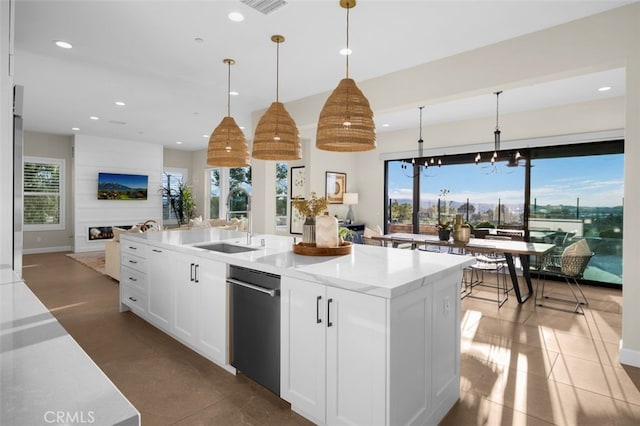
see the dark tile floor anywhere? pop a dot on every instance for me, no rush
(521, 364)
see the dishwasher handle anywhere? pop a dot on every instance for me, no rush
(270, 291)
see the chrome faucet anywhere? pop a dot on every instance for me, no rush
(244, 191)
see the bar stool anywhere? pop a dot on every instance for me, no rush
(476, 272)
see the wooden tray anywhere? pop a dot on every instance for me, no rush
(311, 249)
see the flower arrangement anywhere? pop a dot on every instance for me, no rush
(443, 225)
(311, 207)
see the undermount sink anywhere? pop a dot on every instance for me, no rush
(225, 248)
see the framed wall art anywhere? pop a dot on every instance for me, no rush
(297, 182)
(335, 187)
(296, 220)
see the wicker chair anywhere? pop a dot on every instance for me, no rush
(371, 242)
(571, 269)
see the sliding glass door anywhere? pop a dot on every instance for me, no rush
(554, 194)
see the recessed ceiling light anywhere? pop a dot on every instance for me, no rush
(346, 51)
(120, 103)
(63, 44)
(604, 88)
(93, 117)
(75, 129)
(241, 127)
(236, 16)
(234, 93)
(205, 136)
(179, 142)
(385, 125)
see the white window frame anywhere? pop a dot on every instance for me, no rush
(185, 179)
(60, 162)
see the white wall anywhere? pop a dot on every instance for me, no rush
(94, 155)
(59, 147)
(6, 137)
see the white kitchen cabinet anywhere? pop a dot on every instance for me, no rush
(353, 358)
(133, 282)
(161, 272)
(333, 354)
(186, 291)
(303, 351)
(211, 339)
(200, 306)
(182, 294)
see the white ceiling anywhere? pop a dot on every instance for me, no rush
(144, 53)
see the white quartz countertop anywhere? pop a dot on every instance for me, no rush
(46, 378)
(379, 271)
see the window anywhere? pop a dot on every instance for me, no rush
(239, 192)
(282, 188)
(224, 182)
(561, 193)
(171, 178)
(43, 194)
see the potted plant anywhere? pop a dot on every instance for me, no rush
(444, 230)
(181, 202)
(345, 233)
(310, 208)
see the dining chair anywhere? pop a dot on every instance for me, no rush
(569, 267)
(372, 242)
(474, 276)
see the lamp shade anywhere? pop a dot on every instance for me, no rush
(276, 136)
(350, 198)
(346, 121)
(227, 145)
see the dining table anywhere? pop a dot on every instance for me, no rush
(508, 248)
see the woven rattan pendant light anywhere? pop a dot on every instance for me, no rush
(276, 136)
(227, 144)
(346, 120)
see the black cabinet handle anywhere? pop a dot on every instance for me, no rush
(133, 261)
(133, 248)
(132, 279)
(191, 272)
(156, 250)
(329, 323)
(318, 320)
(132, 299)
(197, 280)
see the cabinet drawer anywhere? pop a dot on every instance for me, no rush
(133, 298)
(135, 248)
(134, 262)
(134, 278)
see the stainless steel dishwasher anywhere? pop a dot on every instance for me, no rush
(255, 325)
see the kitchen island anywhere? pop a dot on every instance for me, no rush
(372, 337)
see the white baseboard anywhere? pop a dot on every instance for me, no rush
(46, 250)
(629, 356)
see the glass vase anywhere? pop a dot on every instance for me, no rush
(309, 230)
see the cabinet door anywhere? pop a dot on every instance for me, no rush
(186, 290)
(212, 310)
(159, 287)
(356, 358)
(303, 352)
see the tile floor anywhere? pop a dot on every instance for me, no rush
(521, 364)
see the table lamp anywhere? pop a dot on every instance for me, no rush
(350, 198)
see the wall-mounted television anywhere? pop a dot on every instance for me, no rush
(117, 186)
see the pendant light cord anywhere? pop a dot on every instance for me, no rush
(497, 109)
(348, 53)
(229, 90)
(277, 69)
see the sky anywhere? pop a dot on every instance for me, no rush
(596, 180)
